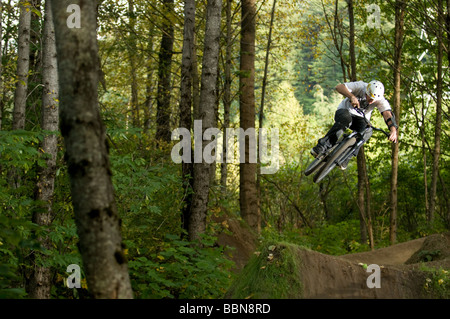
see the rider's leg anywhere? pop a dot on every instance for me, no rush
(343, 120)
(359, 125)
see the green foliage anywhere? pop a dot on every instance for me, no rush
(314, 58)
(336, 239)
(329, 238)
(437, 282)
(429, 255)
(19, 150)
(19, 157)
(149, 196)
(64, 239)
(13, 241)
(180, 269)
(265, 275)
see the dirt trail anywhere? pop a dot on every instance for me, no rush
(393, 255)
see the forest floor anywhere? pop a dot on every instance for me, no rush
(310, 274)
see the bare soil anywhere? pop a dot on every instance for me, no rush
(328, 277)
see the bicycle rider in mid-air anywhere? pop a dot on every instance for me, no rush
(365, 96)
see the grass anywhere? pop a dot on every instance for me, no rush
(437, 283)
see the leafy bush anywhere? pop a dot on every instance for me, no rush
(11, 243)
(265, 275)
(181, 269)
(437, 283)
(336, 239)
(333, 239)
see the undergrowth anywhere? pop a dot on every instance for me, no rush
(269, 275)
(437, 282)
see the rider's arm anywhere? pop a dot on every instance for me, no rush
(389, 119)
(342, 89)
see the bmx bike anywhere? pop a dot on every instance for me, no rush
(346, 146)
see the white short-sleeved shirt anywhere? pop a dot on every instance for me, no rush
(358, 89)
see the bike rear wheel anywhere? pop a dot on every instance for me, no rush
(331, 163)
(316, 164)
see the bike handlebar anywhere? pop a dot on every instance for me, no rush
(358, 110)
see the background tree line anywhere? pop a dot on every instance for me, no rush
(86, 133)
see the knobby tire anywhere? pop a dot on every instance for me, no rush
(331, 163)
(316, 164)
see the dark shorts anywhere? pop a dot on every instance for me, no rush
(343, 120)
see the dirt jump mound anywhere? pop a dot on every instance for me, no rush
(403, 271)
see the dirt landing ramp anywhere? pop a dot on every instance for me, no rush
(326, 276)
(288, 271)
(393, 255)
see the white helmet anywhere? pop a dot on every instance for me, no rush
(375, 90)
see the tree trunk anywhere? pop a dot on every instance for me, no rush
(323, 192)
(186, 100)
(437, 132)
(368, 211)
(226, 96)
(263, 95)
(33, 104)
(132, 50)
(352, 40)
(363, 180)
(247, 185)
(163, 132)
(35, 41)
(195, 83)
(40, 281)
(1, 64)
(23, 66)
(399, 29)
(361, 166)
(208, 98)
(96, 217)
(148, 85)
(447, 23)
(424, 157)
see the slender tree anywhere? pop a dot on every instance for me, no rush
(363, 180)
(186, 99)
(1, 62)
(247, 170)
(149, 100)
(438, 123)
(447, 24)
(35, 39)
(86, 153)
(163, 132)
(400, 6)
(226, 93)
(351, 47)
(40, 282)
(208, 98)
(23, 66)
(132, 52)
(263, 96)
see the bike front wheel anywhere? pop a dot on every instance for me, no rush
(331, 163)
